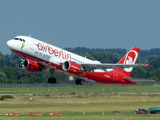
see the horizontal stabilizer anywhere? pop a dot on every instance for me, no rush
(140, 80)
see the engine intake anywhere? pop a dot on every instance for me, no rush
(72, 67)
(29, 65)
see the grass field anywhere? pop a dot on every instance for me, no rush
(82, 89)
(80, 106)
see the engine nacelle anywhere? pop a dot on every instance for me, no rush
(72, 67)
(30, 66)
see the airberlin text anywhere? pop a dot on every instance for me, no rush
(57, 53)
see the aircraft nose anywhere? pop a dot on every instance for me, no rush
(9, 43)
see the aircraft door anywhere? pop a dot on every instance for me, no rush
(115, 75)
(32, 46)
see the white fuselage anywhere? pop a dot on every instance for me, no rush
(45, 51)
(34, 48)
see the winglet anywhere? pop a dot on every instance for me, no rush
(146, 65)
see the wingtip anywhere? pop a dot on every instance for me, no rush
(147, 65)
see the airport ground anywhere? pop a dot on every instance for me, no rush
(76, 105)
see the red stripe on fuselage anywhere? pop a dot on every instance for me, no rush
(36, 59)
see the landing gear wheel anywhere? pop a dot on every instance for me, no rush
(79, 81)
(52, 80)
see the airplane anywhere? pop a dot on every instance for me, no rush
(38, 55)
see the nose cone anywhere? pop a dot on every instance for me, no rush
(10, 44)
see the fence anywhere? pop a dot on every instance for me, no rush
(87, 84)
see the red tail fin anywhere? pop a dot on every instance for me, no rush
(130, 58)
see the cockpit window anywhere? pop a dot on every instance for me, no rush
(19, 39)
(16, 38)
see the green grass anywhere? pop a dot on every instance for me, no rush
(82, 89)
(73, 107)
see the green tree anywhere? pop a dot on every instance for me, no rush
(155, 61)
(3, 78)
(139, 73)
(155, 74)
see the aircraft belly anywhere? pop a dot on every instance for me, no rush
(104, 78)
(99, 77)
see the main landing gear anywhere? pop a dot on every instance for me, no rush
(51, 79)
(79, 81)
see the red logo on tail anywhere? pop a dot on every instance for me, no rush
(131, 57)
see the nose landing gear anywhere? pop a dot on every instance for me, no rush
(52, 80)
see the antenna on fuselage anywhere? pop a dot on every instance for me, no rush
(29, 35)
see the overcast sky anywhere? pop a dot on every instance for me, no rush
(82, 23)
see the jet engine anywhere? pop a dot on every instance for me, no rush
(72, 67)
(30, 66)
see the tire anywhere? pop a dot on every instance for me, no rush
(157, 112)
(52, 80)
(79, 81)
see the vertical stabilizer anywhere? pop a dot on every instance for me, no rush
(130, 58)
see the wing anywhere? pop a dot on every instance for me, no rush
(92, 67)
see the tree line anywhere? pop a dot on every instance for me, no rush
(11, 73)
